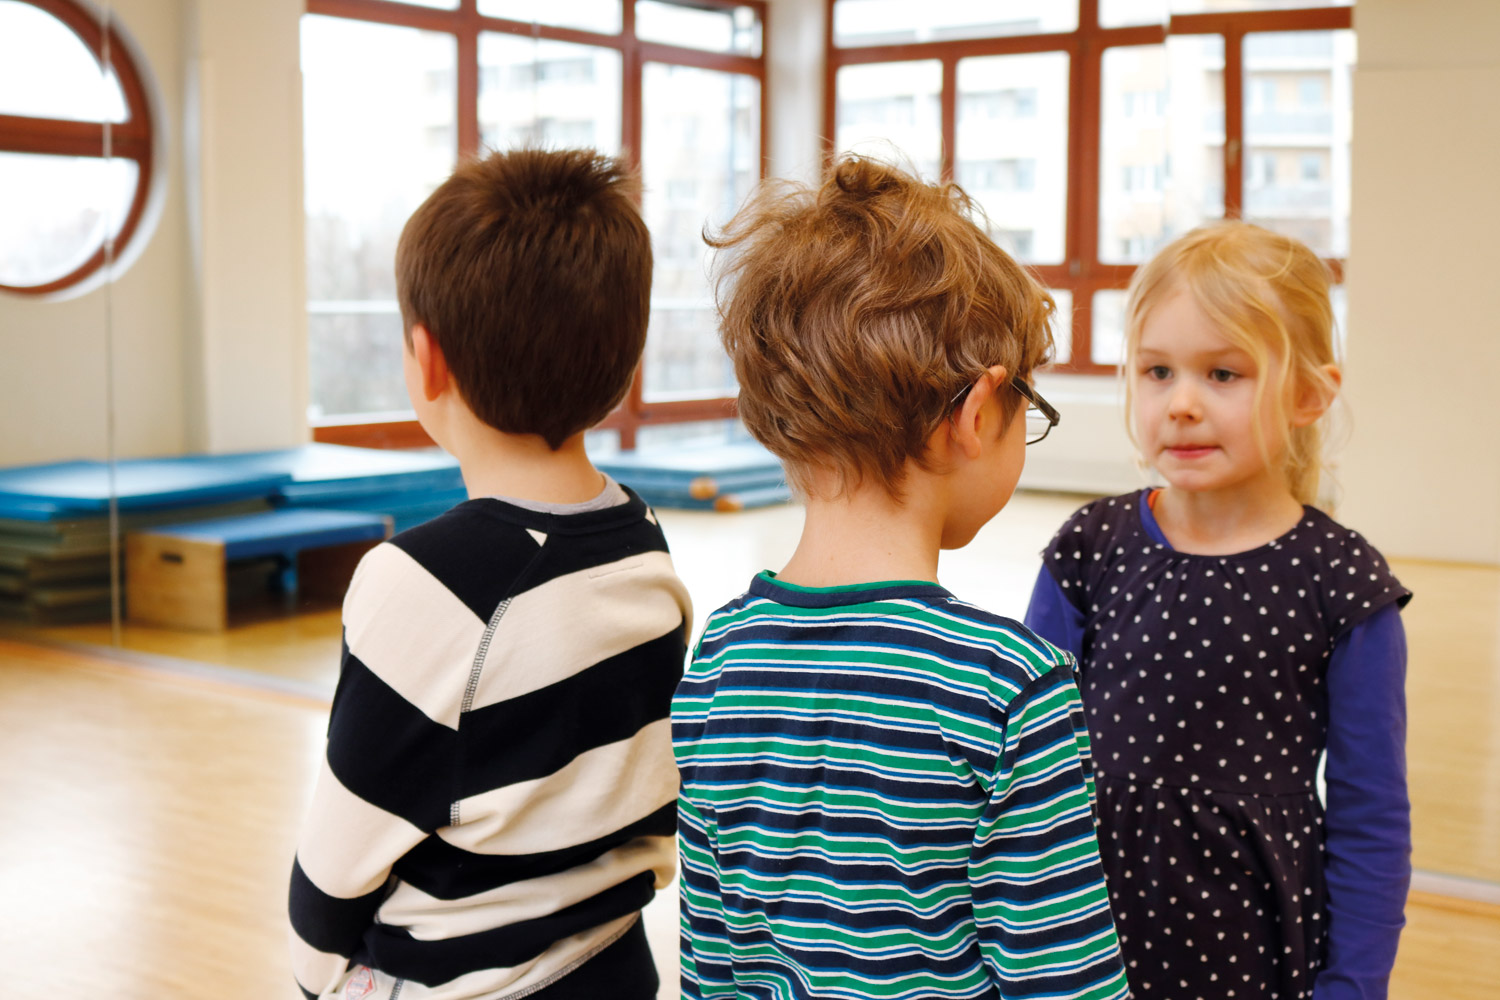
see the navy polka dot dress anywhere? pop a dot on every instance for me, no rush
(1203, 686)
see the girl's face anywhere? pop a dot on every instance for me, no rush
(1195, 406)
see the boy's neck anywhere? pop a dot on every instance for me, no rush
(866, 537)
(496, 464)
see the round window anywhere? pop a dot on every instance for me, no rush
(76, 147)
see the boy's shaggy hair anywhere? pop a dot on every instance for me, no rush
(854, 313)
(532, 272)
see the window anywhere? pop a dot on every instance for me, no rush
(1093, 133)
(76, 147)
(997, 175)
(1312, 92)
(1000, 105)
(675, 86)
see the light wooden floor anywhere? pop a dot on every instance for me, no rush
(147, 816)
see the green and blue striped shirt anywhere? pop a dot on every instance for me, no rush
(887, 794)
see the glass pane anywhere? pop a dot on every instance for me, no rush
(699, 433)
(1298, 124)
(887, 22)
(1223, 6)
(355, 359)
(1062, 326)
(1108, 344)
(1161, 156)
(590, 15)
(1119, 13)
(1013, 149)
(717, 29)
(372, 94)
(56, 212)
(893, 111)
(553, 94)
(700, 143)
(47, 72)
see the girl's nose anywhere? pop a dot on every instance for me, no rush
(1183, 404)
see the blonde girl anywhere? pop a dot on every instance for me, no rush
(1229, 635)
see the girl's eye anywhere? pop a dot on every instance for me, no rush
(1222, 375)
(1159, 372)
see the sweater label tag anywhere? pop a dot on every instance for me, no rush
(361, 984)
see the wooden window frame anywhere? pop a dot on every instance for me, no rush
(466, 24)
(131, 139)
(1082, 272)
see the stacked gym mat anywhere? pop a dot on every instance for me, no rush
(54, 525)
(408, 486)
(722, 477)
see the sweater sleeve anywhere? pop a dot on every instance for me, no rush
(1053, 617)
(1368, 822)
(1040, 903)
(707, 970)
(376, 797)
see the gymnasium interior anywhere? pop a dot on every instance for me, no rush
(205, 422)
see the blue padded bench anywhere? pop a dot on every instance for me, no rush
(178, 575)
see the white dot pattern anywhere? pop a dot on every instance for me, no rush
(1203, 684)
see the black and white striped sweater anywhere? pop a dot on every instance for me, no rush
(498, 798)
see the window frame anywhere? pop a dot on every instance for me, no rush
(466, 24)
(1081, 272)
(131, 139)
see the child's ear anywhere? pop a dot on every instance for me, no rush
(974, 422)
(431, 364)
(1316, 395)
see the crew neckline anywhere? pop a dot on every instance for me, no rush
(1152, 530)
(766, 584)
(633, 509)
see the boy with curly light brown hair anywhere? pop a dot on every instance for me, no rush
(887, 792)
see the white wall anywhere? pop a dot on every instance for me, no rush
(246, 290)
(1422, 472)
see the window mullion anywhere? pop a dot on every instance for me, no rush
(631, 114)
(468, 84)
(1085, 266)
(1234, 124)
(949, 117)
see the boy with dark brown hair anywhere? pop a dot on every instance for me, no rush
(496, 804)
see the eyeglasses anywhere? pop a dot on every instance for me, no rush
(1041, 416)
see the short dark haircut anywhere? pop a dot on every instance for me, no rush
(532, 272)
